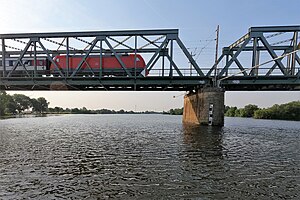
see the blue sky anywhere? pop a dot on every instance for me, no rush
(196, 20)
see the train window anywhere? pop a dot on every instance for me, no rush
(0, 62)
(11, 63)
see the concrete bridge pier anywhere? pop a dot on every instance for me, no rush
(204, 107)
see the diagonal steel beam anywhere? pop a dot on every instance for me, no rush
(273, 55)
(213, 67)
(297, 59)
(189, 56)
(84, 58)
(118, 57)
(50, 58)
(274, 65)
(153, 63)
(235, 56)
(174, 65)
(20, 58)
(240, 67)
(165, 42)
(121, 43)
(150, 42)
(24, 68)
(88, 65)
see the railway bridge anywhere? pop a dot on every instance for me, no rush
(264, 59)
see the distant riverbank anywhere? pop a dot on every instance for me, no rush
(288, 111)
(19, 105)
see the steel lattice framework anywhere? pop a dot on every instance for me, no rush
(157, 46)
(271, 60)
(266, 58)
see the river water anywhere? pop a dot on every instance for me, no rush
(147, 157)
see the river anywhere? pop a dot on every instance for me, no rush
(147, 157)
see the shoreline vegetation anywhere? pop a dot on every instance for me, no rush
(19, 105)
(288, 111)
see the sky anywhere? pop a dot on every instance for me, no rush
(195, 19)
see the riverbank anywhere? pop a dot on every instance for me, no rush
(288, 111)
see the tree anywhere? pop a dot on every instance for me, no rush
(2, 102)
(249, 110)
(288, 111)
(231, 112)
(176, 111)
(7, 104)
(11, 106)
(22, 101)
(43, 104)
(237, 112)
(39, 105)
(35, 105)
(58, 109)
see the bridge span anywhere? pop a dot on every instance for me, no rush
(264, 59)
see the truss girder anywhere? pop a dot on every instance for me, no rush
(154, 44)
(262, 43)
(161, 62)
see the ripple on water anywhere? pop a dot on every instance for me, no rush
(149, 157)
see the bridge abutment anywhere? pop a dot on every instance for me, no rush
(204, 107)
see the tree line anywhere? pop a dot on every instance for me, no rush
(287, 111)
(18, 103)
(84, 110)
(175, 111)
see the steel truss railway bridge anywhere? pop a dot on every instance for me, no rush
(265, 59)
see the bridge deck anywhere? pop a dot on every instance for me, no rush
(109, 83)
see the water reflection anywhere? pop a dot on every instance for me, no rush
(203, 158)
(207, 139)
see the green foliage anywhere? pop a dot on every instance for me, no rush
(230, 112)
(39, 105)
(237, 112)
(18, 103)
(2, 102)
(176, 111)
(288, 111)
(23, 102)
(248, 110)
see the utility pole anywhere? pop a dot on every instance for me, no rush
(216, 56)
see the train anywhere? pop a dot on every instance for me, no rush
(110, 66)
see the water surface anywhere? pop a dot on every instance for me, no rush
(147, 157)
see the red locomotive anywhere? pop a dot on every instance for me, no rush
(110, 66)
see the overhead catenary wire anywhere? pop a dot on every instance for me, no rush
(60, 44)
(10, 47)
(22, 42)
(205, 46)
